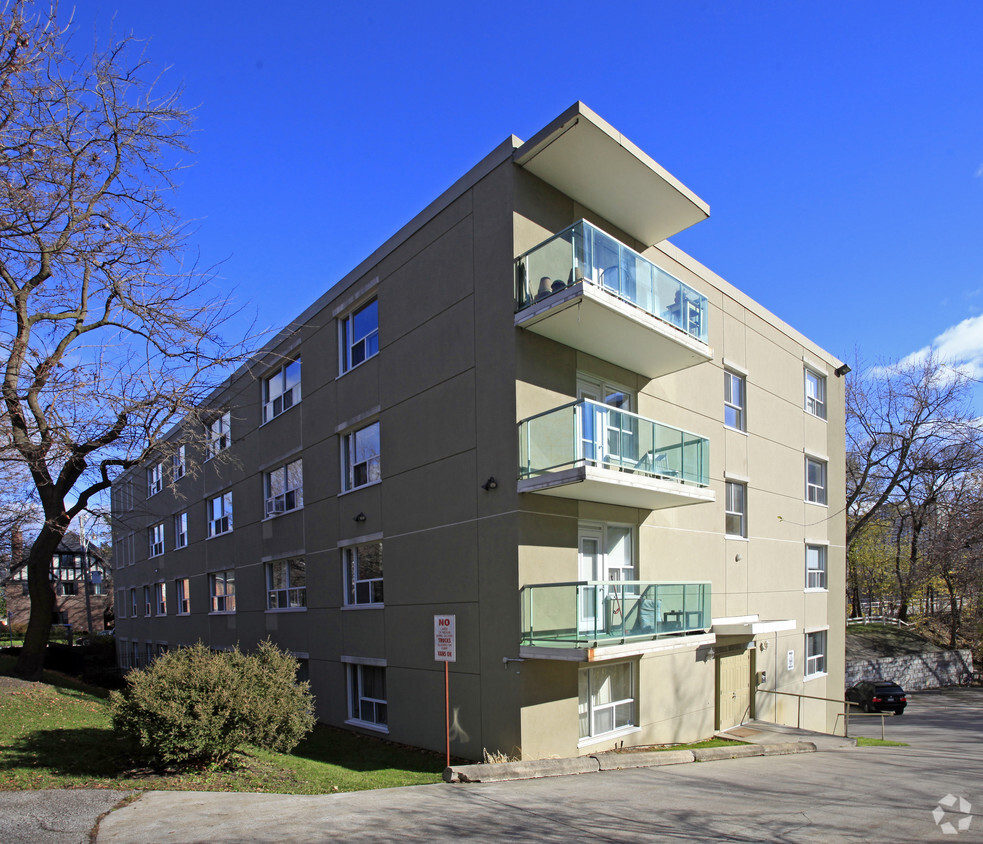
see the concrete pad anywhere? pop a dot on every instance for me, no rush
(54, 816)
(501, 771)
(643, 759)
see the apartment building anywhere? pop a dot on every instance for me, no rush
(528, 410)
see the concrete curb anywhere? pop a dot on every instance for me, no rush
(534, 768)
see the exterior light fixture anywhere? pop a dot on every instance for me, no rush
(841, 370)
(491, 483)
(360, 517)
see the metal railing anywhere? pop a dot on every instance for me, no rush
(846, 710)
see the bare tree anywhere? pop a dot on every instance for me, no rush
(109, 339)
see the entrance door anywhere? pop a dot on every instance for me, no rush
(733, 689)
(591, 569)
(608, 437)
(606, 554)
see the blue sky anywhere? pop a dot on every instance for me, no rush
(839, 144)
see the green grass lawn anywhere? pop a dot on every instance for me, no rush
(58, 735)
(876, 742)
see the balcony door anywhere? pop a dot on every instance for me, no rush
(606, 556)
(608, 437)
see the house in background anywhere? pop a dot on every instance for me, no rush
(529, 410)
(83, 584)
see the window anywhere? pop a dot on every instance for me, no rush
(69, 588)
(285, 488)
(123, 496)
(367, 695)
(180, 463)
(181, 530)
(736, 509)
(281, 390)
(220, 514)
(363, 574)
(223, 589)
(157, 540)
(148, 650)
(815, 394)
(361, 457)
(160, 598)
(182, 588)
(815, 566)
(360, 335)
(606, 699)
(147, 605)
(133, 603)
(734, 400)
(121, 603)
(815, 653)
(815, 481)
(125, 549)
(155, 479)
(286, 585)
(219, 434)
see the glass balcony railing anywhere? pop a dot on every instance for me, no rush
(589, 433)
(585, 613)
(583, 253)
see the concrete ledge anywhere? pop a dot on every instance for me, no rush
(711, 754)
(785, 748)
(499, 772)
(643, 759)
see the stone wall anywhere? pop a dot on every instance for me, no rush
(915, 671)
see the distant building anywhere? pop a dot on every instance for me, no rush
(529, 410)
(72, 568)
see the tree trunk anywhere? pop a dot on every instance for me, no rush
(31, 661)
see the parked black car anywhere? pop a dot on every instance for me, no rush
(878, 696)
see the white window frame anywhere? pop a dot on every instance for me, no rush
(148, 604)
(179, 462)
(587, 675)
(361, 704)
(816, 642)
(289, 596)
(222, 602)
(155, 479)
(160, 598)
(372, 462)
(219, 435)
(281, 497)
(815, 393)
(816, 492)
(730, 490)
(737, 407)
(371, 588)
(220, 514)
(364, 347)
(816, 577)
(157, 539)
(182, 591)
(181, 530)
(281, 389)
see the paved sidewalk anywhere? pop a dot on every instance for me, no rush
(54, 816)
(761, 732)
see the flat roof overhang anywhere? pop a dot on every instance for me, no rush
(590, 319)
(602, 653)
(591, 162)
(609, 486)
(750, 625)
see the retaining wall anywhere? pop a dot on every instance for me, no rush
(915, 671)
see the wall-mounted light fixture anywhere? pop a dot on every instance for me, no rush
(738, 558)
(491, 483)
(841, 370)
(360, 517)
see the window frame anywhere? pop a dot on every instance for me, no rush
(156, 535)
(147, 602)
(815, 657)
(218, 435)
(179, 464)
(593, 709)
(155, 479)
(348, 466)
(121, 603)
(350, 559)
(160, 598)
(182, 592)
(740, 410)
(225, 519)
(294, 597)
(287, 396)
(729, 512)
(814, 404)
(355, 686)
(816, 493)
(346, 343)
(225, 603)
(292, 496)
(134, 606)
(822, 570)
(181, 530)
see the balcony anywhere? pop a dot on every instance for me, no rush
(586, 290)
(593, 452)
(589, 614)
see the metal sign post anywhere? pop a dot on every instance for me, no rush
(445, 651)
